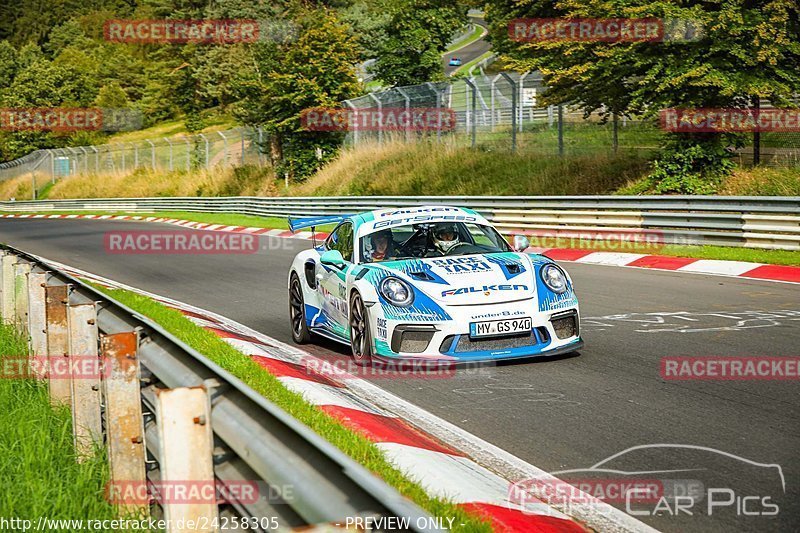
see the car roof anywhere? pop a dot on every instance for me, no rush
(371, 221)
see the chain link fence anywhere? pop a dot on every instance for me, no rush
(235, 147)
(503, 111)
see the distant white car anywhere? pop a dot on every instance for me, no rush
(430, 283)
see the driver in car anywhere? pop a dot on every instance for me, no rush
(382, 245)
(445, 237)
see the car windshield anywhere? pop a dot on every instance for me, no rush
(440, 239)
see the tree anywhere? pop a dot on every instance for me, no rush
(8, 64)
(283, 79)
(417, 34)
(745, 50)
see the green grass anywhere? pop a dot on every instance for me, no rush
(466, 68)
(726, 253)
(172, 128)
(39, 474)
(246, 369)
(476, 34)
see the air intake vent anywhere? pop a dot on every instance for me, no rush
(422, 276)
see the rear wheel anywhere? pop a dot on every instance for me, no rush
(297, 311)
(360, 340)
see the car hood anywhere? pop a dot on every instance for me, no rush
(469, 279)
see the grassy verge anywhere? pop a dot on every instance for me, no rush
(726, 253)
(477, 31)
(467, 67)
(39, 474)
(243, 367)
(453, 168)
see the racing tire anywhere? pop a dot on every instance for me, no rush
(360, 339)
(297, 311)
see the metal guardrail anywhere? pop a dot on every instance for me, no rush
(253, 439)
(748, 221)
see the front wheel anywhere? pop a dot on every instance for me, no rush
(360, 340)
(297, 311)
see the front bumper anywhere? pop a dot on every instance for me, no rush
(449, 341)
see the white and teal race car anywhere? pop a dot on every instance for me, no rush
(429, 284)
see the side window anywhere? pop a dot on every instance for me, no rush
(342, 239)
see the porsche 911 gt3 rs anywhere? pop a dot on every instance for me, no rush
(429, 284)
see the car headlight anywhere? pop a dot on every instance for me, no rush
(554, 278)
(397, 292)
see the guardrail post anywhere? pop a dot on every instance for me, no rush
(86, 423)
(7, 287)
(123, 416)
(57, 343)
(37, 318)
(21, 271)
(186, 443)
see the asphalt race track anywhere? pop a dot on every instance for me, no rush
(467, 53)
(560, 414)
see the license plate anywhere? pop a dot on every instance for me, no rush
(496, 328)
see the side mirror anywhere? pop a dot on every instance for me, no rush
(332, 258)
(521, 243)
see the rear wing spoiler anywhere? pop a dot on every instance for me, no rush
(309, 222)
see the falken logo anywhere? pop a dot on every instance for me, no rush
(485, 289)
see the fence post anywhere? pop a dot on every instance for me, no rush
(86, 422)
(756, 133)
(186, 443)
(560, 130)
(7, 271)
(206, 140)
(355, 121)
(21, 271)
(408, 111)
(520, 95)
(152, 153)
(123, 417)
(493, 89)
(513, 110)
(260, 145)
(615, 133)
(37, 318)
(380, 116)
(241, 146)
(57, 343)
(170, 153)
(474, 90)
(188, 154)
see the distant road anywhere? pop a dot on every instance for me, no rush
(469, 52)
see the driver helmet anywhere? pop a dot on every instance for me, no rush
(445, 237)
